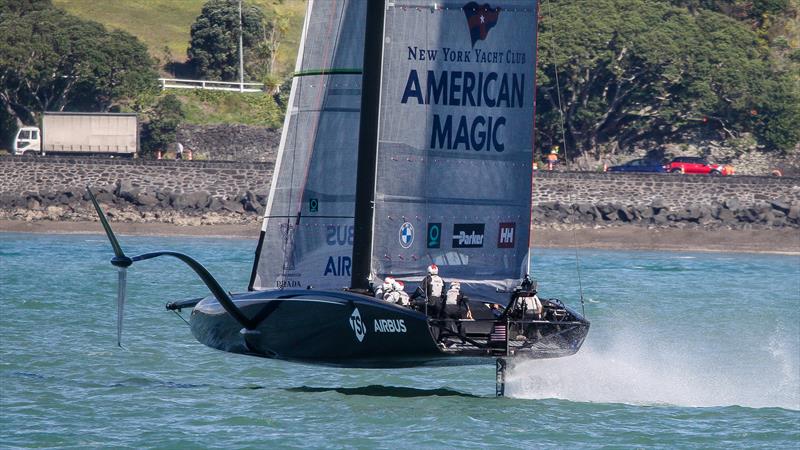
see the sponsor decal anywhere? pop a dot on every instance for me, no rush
(339, 234)
(358, 325)
(313, 205)
(480, 19)
(468, 235)
(485, 83)
(390, 326)
(338, 266)
(505, 238)
(282, 284)
(434, 235)
(406, 235)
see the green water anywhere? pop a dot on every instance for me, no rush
(686, 350)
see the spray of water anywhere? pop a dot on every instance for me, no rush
(630, 368)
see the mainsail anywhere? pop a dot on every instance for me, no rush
(453, 181)
(454, 149)
(307, 233)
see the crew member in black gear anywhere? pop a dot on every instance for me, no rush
(429, 294)
(456, 307)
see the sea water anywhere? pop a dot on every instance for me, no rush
(686, 350)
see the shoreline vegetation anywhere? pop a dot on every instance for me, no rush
(784, 241)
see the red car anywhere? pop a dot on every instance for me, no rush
(694, 164)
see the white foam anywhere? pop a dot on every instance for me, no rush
(632, 368)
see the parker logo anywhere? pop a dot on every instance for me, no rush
(406, 235)
(468, 235)
(505, 238)
(358, 325)
(480, 19)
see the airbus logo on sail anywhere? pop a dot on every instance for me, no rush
(339, 234)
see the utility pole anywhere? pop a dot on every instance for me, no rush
(241, 53)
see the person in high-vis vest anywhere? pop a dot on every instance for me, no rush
(428, 296)
(552, 158)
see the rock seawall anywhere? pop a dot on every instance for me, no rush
(230, 142)
(218, 192)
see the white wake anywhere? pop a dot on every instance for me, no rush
(632, 368)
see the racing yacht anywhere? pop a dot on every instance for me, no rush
(407, 142)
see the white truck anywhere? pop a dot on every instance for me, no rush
(113, 134)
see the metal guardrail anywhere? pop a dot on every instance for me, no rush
(233, 86)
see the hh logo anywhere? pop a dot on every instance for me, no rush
(480, 19)
(505, 238)
(358, 325)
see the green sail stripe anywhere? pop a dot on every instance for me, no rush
(340, 71)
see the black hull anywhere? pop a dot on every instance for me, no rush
(345, 329)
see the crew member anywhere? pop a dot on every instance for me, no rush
(531, 306)
(385, 289)
(428, 296)
(456, 306)
(399, 296)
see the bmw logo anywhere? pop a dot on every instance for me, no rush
(406, 235)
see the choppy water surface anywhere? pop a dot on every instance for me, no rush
(686, 350)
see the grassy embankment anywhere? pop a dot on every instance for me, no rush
(166, 24)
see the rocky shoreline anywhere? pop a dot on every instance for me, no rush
(729, 214)
(126, 203)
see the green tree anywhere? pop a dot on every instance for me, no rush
(53, 61)
(162, 124)
(643, 70)
(214, 45)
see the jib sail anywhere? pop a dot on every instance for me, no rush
(307, 233)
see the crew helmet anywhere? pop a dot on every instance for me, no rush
(398, 285)
(388, 284)
(433, 269)
(455, 285)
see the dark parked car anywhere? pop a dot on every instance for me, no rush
(639, 165)
(694, 164)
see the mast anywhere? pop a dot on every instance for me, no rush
(367, 145)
